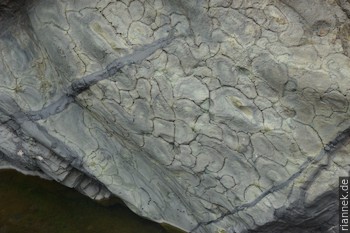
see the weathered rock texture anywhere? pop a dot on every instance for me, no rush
(213, 116)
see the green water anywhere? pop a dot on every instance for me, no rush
(32, 205)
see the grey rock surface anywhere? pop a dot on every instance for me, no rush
(212, 116)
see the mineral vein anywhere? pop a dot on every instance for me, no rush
(79, 86)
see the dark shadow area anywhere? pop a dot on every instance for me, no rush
(30, 204)
(13, 15)
(13, 9)
(320, 216)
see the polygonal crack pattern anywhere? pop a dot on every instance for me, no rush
(210, 115)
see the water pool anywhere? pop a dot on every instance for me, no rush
(30, 204)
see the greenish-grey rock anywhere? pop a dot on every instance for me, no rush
(212, 116)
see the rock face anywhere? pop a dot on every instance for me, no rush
(213, 116)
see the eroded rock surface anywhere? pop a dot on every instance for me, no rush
(213, 116)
